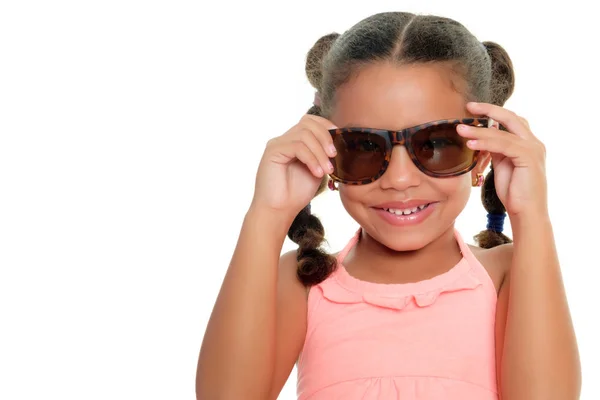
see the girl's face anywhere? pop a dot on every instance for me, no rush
(384, 96)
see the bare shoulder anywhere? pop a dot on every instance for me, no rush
(496, 261)
(291, 294)
(291, 320)
(288, 266)
(291, 305)
(287, 279)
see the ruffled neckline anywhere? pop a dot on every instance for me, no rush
(341, 287)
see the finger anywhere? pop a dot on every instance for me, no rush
(306, 156)
(323, 136)
(497, 159)
(525, 122)
(478, 133)
(501, 142)
(324, 122)
(475, 132)
(507, 118)
(310, 140)
(516, 151)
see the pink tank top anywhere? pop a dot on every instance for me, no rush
(432, 339)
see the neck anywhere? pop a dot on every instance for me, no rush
(373, 261)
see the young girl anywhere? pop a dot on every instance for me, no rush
(407, 116)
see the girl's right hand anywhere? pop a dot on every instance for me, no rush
(293, 166)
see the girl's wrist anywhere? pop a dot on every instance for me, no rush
(269, 221)
(530, 221)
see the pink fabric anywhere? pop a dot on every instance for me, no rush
(432, 339)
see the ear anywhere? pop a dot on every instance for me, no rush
(483, 160)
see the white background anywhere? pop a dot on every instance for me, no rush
(130, 135)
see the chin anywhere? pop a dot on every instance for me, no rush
(408, 240)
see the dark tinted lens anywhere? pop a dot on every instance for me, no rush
(360, 156)
(440, 149)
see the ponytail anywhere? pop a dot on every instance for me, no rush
(314, 264)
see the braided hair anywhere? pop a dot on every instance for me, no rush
(503, 84)
(314, 264)
(403, 39)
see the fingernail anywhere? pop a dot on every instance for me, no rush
(472, 103)
(463, 128)
(319, 171)
(472, 143)
(332, 150)
(329, 167)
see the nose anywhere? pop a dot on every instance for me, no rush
(401, 173)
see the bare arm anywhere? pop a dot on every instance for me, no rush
(291, 321)
(539, 354)
(258, 324)
(256, 330)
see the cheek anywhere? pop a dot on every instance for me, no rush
(351, 193)
(353, 196)
(457, 190)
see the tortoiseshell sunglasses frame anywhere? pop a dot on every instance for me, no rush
(403, 137)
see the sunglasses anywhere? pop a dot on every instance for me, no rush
(435, 148)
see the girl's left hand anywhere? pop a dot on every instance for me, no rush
(518, 158)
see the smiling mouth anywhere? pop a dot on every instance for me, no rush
(407, 211)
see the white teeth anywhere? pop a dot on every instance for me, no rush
(407, 211)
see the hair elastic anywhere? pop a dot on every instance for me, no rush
(496, 222)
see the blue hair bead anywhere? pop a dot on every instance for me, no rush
(496, 222)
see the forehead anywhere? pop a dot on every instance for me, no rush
(386, 96)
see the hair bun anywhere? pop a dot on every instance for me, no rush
(314, 59)
(303, 223)
(314, 264)
(503, 75)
